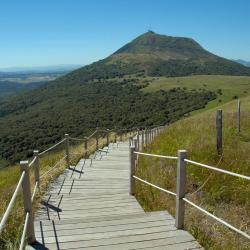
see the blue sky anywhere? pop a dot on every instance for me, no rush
(50, 32)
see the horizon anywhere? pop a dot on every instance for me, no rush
(54, 33)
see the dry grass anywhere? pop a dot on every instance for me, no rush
(225, 196)
(10, 237)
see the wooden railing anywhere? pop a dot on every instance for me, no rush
(138, 143)
(24, 180)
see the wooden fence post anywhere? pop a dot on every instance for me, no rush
(180, 189)
(142, 139)
(138, 140)
(67, 150)
(107, 137)
(37, 168)
(132, 170)
(219, 130)
(130, 141)
(97, 142)
(24, 166)
(238, 117)
(135, 145)
(146, 137)
(86, 146)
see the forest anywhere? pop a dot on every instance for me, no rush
(40, 120)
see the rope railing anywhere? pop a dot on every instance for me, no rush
(95, 132)
(217, 219)
(24, 231)
(155, 186)
(11, 203)
(52, 168)
(218, 169)
(180, 179)
(78, 139)
(52, 147)
(158, 156)
(33, 161)
(92, 135)
(34, 191)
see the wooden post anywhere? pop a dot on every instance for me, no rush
(107, 137)
(219, 131)
(86, 146)
(135, 144)
(24, 166)
(238, 117)
(37, 168)
(142, 139)
(148, 134)
(130, 141)
(97, 142)
(180, 189)
(138, 140)
(115, 137)
(132, 170)
(67, 150)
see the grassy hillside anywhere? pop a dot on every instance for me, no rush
(225, 196)
(226, 87)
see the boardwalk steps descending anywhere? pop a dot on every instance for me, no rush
(89, 207)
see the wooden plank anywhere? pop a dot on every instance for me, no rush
(190, 245)
(104, 223)
(103, 219)
(141, 240)
(147, 226)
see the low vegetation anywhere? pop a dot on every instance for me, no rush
(225, 196)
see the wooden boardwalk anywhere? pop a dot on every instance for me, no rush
(89, 207)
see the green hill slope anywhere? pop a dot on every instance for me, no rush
(226, 87)
(225, 196)
(40, 118)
